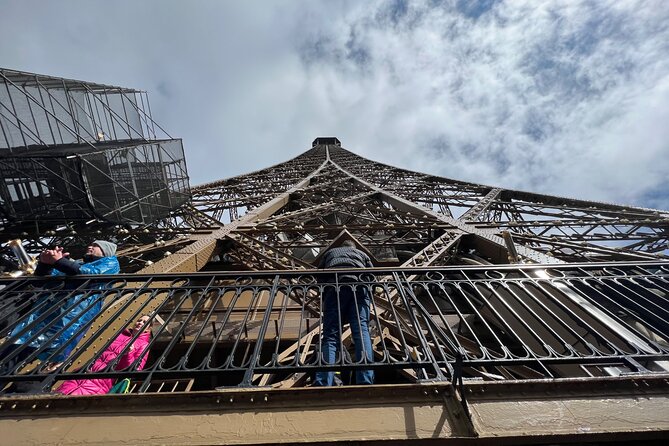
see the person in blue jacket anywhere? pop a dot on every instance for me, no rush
(52, 325)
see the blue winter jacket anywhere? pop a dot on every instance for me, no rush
(39, 337)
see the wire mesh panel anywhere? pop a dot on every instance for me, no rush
(137, 183)
(39, 111)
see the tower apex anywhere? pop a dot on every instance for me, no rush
(326, 140)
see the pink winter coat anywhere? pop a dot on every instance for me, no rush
(103, 385)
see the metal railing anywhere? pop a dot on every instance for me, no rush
(263, 328)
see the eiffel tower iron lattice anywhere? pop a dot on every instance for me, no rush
(472, 286)
(295, 209)
(282, 217)
(479, 296)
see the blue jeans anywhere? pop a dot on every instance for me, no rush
(354, 310)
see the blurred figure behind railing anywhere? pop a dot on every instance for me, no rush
(123, 345)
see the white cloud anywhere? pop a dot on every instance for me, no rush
(568, 97)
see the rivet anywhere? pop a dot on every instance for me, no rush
(14, 406)
(265, 398)
(232, 400)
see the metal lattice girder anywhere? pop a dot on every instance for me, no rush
(332, 199)
(241, 194)
(369, 198)
(598, 224)
(372, 200)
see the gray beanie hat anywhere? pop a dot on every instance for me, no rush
(108, 248)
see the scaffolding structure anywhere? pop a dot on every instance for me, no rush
(74, 152)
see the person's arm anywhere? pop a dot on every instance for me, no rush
(47, 262)
(67, 266)
(368, 261)
(141, 347)
(364, 259)
(43, 269)
(322, 263)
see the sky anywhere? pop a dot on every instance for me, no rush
(568, 98)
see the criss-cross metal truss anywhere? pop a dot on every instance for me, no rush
(398, 213)
(283, 217)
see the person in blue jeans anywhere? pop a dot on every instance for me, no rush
(352, 305)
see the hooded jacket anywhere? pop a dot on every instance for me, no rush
(115, 349)
(79, 309)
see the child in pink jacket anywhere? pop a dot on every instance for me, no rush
(137, 349)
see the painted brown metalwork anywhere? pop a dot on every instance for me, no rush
(486, 303)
